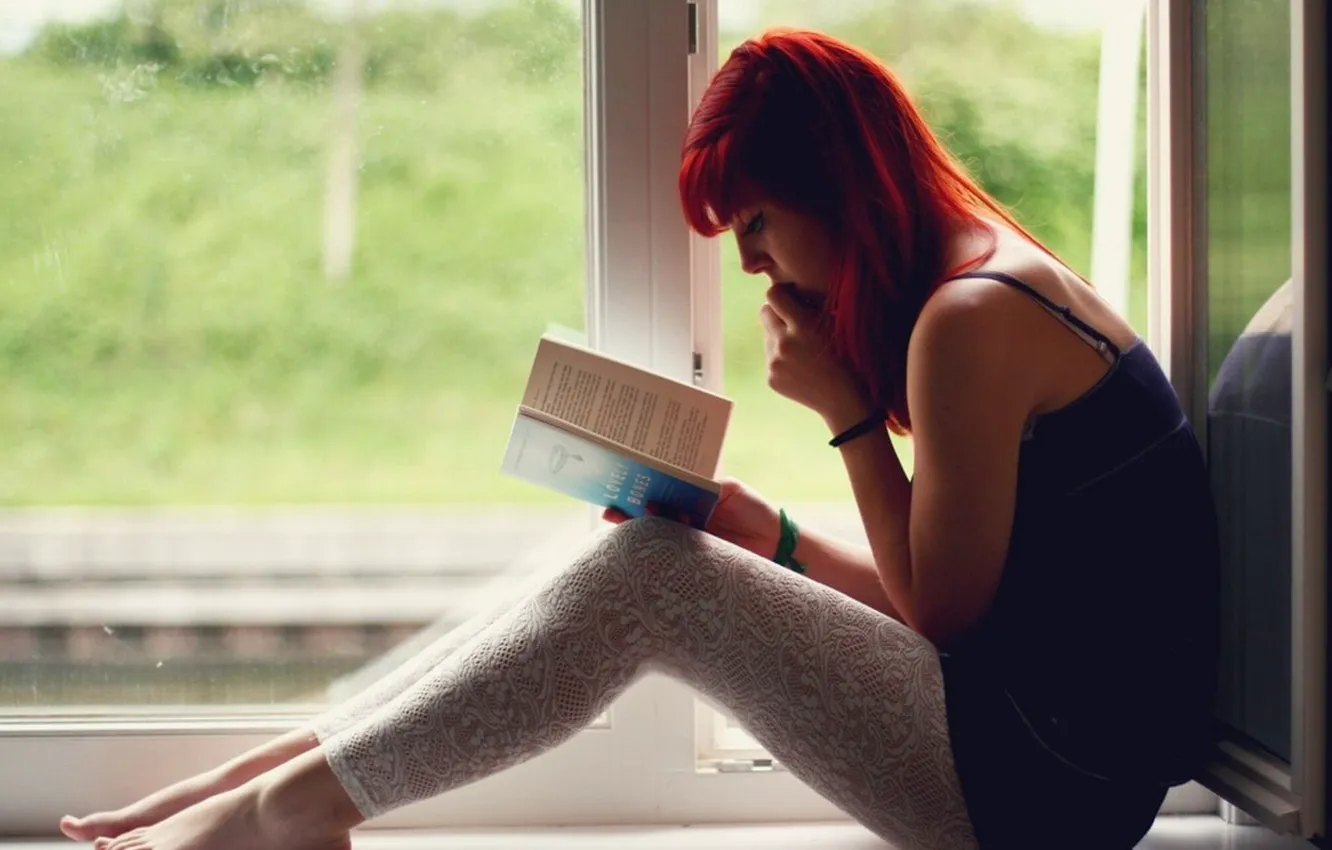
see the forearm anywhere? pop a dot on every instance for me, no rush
(883, 496)
(843, 566)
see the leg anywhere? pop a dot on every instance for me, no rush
(849, 699)
(350, 712)
(172, 799)
(166, 802)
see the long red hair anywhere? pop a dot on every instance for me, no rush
(826, 129)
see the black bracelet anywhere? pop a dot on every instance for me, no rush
(866, 425)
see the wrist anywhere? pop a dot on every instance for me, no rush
(847, 415)
(853, 420)
(787, 544)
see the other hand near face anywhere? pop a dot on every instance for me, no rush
(801, 362)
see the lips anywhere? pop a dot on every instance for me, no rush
(812, 300)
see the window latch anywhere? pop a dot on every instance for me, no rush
(693, 28)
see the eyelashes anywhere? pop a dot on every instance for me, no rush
(754, 225)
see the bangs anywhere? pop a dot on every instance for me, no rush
(710, 181)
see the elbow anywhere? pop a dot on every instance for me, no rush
(938, 625)
(933, 631)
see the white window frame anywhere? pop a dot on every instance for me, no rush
(654, 298)
(638, 764)
(638, 308)
(1289, 798)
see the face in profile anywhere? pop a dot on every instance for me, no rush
(785, 246)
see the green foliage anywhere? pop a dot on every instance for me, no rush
(244, 43)
(107, 43)
(168, 335)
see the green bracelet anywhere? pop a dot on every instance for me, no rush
(786, 544)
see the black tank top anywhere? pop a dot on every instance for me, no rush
(1089, 686)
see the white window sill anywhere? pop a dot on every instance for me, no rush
(1171, 832)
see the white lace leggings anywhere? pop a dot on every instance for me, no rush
(848, 699)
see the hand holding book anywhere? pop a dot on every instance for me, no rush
(741, 516)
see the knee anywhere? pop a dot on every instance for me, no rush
(645, 546)
(647, 531)
(635, 540)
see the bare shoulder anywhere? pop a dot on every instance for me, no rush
(970, 314)
(971, 351)
(969, 341)
(1022, 314)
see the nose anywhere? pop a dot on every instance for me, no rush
(754, 262)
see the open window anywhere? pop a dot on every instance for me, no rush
(1239, 311)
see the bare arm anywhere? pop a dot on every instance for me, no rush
(939, 541)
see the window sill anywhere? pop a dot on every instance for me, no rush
(1171, 832)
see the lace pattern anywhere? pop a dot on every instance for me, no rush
(850, 700)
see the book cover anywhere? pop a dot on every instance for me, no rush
(550, 456)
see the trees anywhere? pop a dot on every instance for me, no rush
(172, 163)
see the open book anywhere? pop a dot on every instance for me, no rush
(616, 435)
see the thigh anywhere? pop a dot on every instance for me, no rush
(850, 700)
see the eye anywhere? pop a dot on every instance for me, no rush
(754, 225)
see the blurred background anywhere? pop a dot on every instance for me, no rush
(271, 276)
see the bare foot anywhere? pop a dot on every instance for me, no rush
(151, 809)
(162, 804)
(299, 806)
(229, 821)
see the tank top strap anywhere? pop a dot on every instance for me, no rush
(1089, 334)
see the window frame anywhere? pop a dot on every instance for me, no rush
(634, 94)
(643, 764)
(1289, 798)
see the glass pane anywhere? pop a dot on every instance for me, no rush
(269, 305)
(983, 79)
(1246, 142)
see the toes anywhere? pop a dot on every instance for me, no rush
(122, 842)
(91, 826)
(73, 827)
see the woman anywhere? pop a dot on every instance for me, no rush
(1024, 654)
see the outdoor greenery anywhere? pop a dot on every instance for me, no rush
(168, 334)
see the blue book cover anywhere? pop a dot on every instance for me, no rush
(568, 460)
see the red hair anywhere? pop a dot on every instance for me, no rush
(826, 129)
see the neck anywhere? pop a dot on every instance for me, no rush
(968, 245)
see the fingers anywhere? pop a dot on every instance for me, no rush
(773, 326)
(615, 516)
(783, 300)
(658, 509)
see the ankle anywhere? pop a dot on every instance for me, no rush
(257, 762)
(305, 797)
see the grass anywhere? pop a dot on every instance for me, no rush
(168, 337)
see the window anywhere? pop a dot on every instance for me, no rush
(279, 273)
(1239, 267)
(1250, 315)
(272, 257)
(280, 278)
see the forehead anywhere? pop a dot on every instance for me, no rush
(740, 197)
(743, 206)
